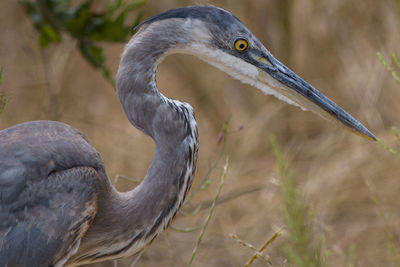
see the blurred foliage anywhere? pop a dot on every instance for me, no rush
(389, 233)
(54, 17)
(395, 74)
(300, 250)
(207, 220)
(398, 5)
(3, 99)
(390, 149)
(393, 70)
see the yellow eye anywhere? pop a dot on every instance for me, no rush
(241, 44)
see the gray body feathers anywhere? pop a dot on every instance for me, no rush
(49, 179)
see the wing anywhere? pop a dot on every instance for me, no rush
(49, 180)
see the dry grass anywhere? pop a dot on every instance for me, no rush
(332, 44)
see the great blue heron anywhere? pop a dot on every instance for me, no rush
(57, 205)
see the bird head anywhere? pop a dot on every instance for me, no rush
(219, 38)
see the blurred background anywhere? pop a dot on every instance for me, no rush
(349, 185)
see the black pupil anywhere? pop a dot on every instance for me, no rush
(241, 46)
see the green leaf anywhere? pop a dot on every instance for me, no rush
(47, 35)
(93, 53)
(53, 17)
(78, 19)
(114, 30)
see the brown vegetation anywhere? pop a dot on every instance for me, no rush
(350, 185)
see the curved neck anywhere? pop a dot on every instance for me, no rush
(151, 206)
(136, 79)
(144, 212)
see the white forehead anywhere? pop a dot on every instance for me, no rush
(181, 30)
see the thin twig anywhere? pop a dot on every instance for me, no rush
(207, 178)
(388, 67)
(203, 230)
(266, 244)
(250, 246)
(224, 198)
(388, 148)
(396, 60)
(396, 133)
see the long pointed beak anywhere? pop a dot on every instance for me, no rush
(291, 86)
